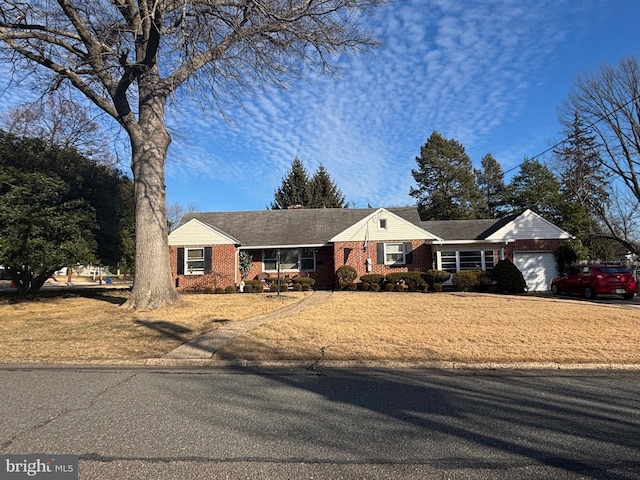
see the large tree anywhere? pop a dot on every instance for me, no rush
(324, 191)
(585, 184)
(536, 187)
(298, 190)
(490, 179)
(446, 181)
(609, 101)
(295, 190)
(45, 224)
(129, 57)
(106, 190)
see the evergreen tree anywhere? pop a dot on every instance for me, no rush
(106, 190)
(585, 184)
(298, 190)
(295, 189)
(537, 188)
(44, 226)
(446, 182)
(491, 185)
(324, 192)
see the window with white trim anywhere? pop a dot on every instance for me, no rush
(382, 224)
(449, 261)
(453, 261)
(394, 254)
(194, 261)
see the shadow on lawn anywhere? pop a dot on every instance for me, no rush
(171, 330)
(115, 296)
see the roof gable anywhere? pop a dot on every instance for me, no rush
(395, 228)
(527, 225)
(195, 232)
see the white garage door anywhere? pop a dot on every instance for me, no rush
(538, 269)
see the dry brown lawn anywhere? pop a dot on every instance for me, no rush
(348, 326)
(453, 327)
(78, 327)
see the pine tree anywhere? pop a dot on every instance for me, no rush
(585, 184)
(580, 167)
(295, 189)
(491, 184)
(446, 182)
(298, 190)
(324, 192)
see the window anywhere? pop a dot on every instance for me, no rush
(308, 259)
(489, 259)
(453, 261)
(471, 260)
(291, 259)
(382, 224)
(393, 253)
(194, 261)
(449, 261)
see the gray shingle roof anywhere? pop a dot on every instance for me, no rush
(283, 227)
(317, 226)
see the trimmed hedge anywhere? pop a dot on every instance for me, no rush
(413, 281)
(346, 273)
(303, 281)
(466, 280)
(436, 276)
(372, 278)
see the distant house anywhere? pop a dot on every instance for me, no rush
(316, 242)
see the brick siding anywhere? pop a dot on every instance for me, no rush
(356, 255)
(531, 246)
(222, 269)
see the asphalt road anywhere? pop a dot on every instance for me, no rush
(145, 423)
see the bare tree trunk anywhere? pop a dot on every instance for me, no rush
(153, 284)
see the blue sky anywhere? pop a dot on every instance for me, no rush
(490, 74)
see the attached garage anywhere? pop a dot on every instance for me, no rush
(538, 269)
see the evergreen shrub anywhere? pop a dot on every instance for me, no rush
(436, 276)
(346, 273)
(372, 278)
(466, 280)
(310, 282)
(230, 289)
(508, 277)
(414, 281)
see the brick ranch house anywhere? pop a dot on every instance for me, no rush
(205, 247)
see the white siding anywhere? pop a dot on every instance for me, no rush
(194, 232)
(538, 269)
(369, 229)
(529, 226)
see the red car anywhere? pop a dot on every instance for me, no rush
(592, 280)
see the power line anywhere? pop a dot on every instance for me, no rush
(583, 130)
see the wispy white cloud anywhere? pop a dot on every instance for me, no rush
(465, 69)
(462, 68)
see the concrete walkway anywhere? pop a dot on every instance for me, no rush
(205, 346)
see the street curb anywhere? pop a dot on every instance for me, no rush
(316, 365)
